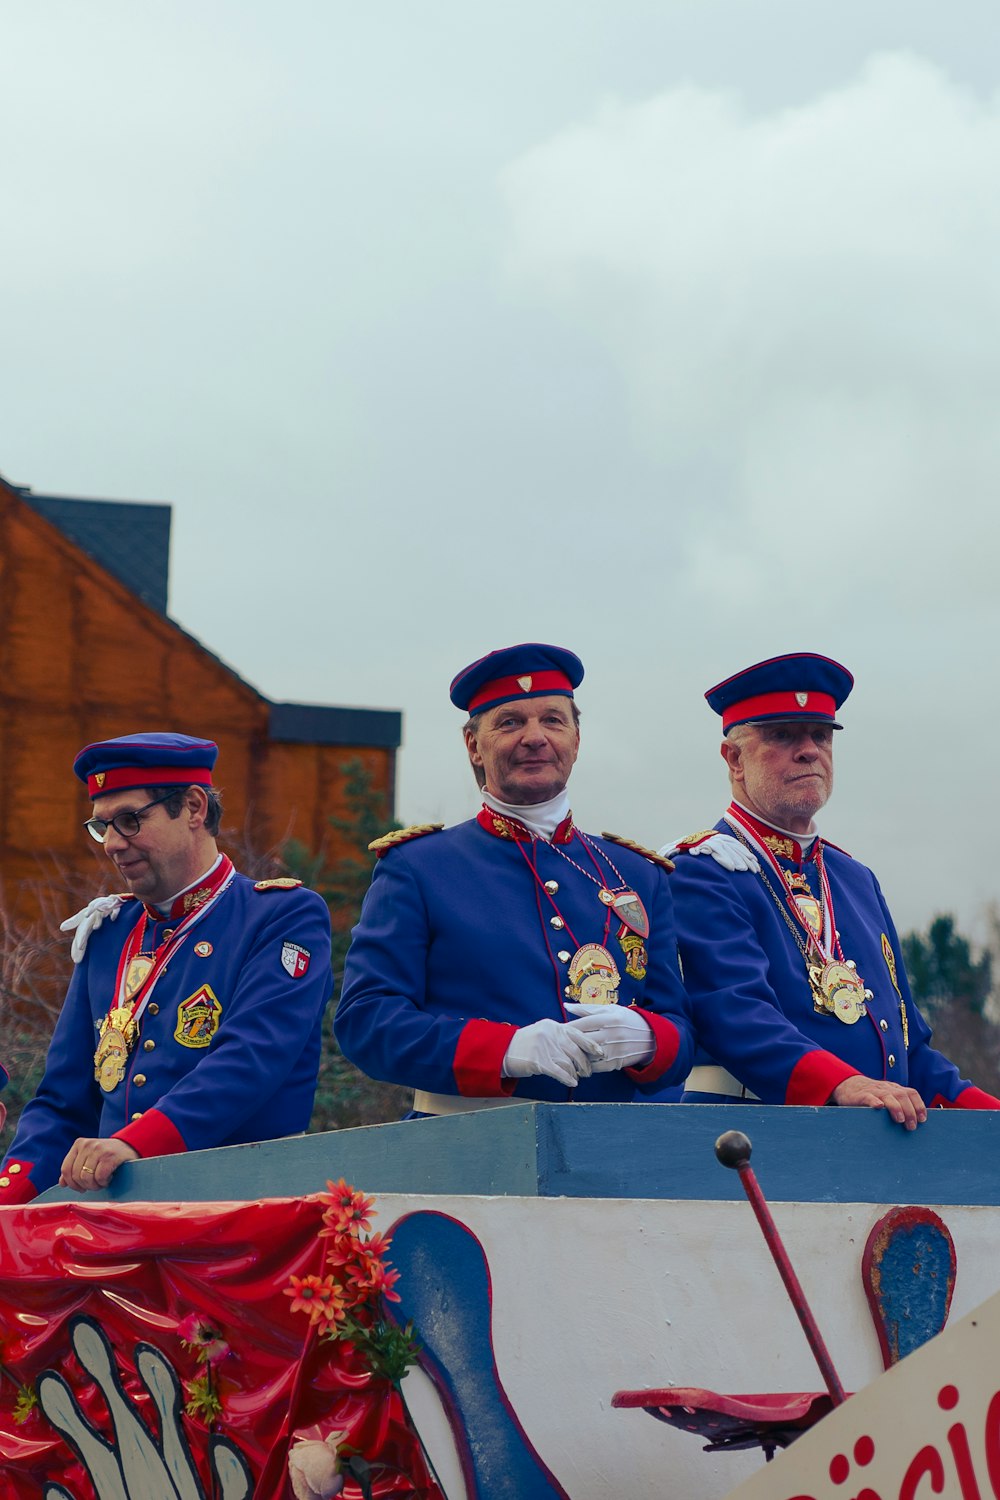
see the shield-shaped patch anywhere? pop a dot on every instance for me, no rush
(294, 959)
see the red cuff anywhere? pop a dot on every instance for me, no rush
(815, 1076)
(152, 1135)
(970, 1098)
(667, 1045)
(16, 1185)
(482, 1047)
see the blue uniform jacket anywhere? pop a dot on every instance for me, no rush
(456, 949)
(753, 1007)
(247, 1072)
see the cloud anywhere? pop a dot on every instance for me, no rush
(802, 305)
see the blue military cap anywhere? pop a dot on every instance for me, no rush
(155, 759)
(800, 685)
(530, 670)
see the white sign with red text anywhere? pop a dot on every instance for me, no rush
(929, 1427)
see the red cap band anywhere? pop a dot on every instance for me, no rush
(779, 706)
(124, 778)
(528, 684)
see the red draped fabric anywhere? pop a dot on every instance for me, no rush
(136, 1273)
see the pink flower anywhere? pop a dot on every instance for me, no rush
(196, 1332)
(314, 1467)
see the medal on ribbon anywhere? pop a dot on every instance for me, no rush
(628, 908)
(138, 973)
(838, 990)
(593, 976)
(837, 987)
(118, 1034)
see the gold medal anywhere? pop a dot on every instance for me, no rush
(838, 990)
(118, 1034)
(593, 976)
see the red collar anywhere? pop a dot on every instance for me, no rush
(196, 895)
(782, 845)
(503, 827)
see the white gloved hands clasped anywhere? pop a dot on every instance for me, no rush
(553, 1048)
(625, 1036)
(84, 922)
(724, 849)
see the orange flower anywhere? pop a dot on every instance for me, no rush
(319, 1296)
(347, 1211)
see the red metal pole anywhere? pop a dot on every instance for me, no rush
(733, 1150)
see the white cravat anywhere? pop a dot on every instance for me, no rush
(542, 818)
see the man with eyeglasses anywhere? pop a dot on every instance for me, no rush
(194, 1015)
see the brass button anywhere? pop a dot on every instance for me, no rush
(552, 886)
(148, 1045)
(883, 1025)
(4, 1182)
(563, 956)
(892, 1059)
(153, 1008)
(168, 934)
(137, 1115)
(14, 1168)
(557, 923)
(139, 1080)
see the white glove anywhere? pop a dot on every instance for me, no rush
(625, 1036)
(725, 850)
(88, 920)
(553, 1048)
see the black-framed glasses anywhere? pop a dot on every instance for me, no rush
(125, 823)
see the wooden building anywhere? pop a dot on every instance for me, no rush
(88, 651)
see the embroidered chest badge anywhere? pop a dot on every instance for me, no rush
(198, 1018)
(294, 959)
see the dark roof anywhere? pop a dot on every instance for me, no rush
(317, 724)
(128, 538)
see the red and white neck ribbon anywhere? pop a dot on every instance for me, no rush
(825, 945)
(219, 880)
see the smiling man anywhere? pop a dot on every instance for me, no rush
(515, 956)
(789, 953)
(194, 1016)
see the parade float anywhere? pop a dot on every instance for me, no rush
(495, 1306)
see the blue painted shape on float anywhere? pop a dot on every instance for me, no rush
(909, 1274)
(445, 1290)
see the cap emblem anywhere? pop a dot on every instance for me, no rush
(99, 778)
(802, 699)
(524, 683)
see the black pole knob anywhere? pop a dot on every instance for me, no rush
(733, 1149)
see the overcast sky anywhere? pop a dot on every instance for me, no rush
(667, 330)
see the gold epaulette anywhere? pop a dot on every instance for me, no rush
(388, 841)
(650, 854)
(279, 883)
